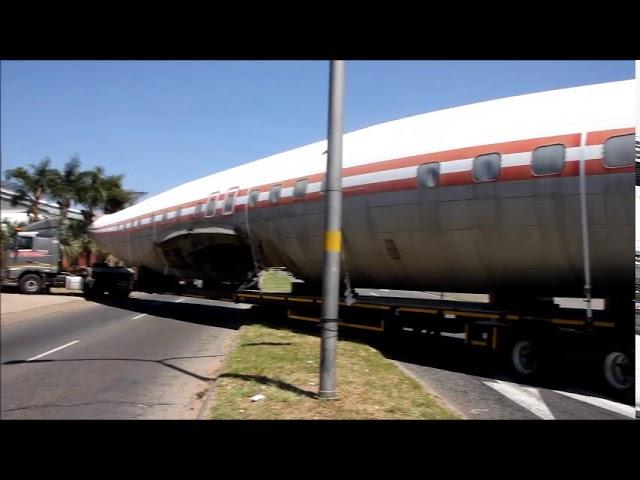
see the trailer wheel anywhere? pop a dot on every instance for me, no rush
(618, 371)
(525, 358)
(31, 283)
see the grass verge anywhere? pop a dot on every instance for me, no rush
(284, 367)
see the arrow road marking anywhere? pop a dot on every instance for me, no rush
(527, 397)
(610, 405)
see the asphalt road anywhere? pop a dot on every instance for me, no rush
(148, 357)
(480, 387)
(155, 357)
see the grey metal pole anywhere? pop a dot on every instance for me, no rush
(585, 229)
(333, 235)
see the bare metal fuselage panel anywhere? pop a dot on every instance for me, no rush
(459, 238)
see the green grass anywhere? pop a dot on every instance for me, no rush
(284, 367)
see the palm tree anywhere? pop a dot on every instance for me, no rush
(7, 229)
(92, 193)
(32, 186)
(99, 192)
(117, 198)
(67, 186)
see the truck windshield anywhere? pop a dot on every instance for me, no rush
(22, 243)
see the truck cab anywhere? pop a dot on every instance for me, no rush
(29, 259)
(32, 262)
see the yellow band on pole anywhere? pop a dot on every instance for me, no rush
(333, 241)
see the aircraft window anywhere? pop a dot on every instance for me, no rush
(253, 198)
(229, 202)
(429, 174)
(548, 160)
(210, 210)
(274, 194)
(486, 167)
(300, 189)
(619, 151)
(24, 243)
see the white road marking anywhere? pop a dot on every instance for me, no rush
(139, 316)
(612, 406)
(527, 397)
(51, 351)
(179, 300)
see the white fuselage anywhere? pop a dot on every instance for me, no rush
(520, 229)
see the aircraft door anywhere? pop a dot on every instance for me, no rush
(227, 202)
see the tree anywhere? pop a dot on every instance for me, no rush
(95, 191)
(117, 198)
(7, 229)
(32, 184)
(92, 193)
(106, 193)
(91, 189)
(66, 186)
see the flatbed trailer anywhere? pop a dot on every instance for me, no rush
(532, 338)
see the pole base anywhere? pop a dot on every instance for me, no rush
(327, 395)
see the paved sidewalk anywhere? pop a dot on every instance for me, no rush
(17, 302)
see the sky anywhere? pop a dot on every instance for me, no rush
(164, 123)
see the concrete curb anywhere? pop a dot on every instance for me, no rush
(231, 346)
(439, 398)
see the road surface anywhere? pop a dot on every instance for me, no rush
(156, 357)
(148, 357)
(481, 388)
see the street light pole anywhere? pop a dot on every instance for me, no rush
(333, 235)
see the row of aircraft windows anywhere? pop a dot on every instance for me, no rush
(546, 160)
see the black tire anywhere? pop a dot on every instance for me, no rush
(523, 357)
(530, 358)
(618, 371)
(31, 284)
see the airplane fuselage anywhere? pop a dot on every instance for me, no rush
(483, 197)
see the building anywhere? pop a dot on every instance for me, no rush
(18, 213)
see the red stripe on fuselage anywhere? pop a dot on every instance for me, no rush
(512, 173)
